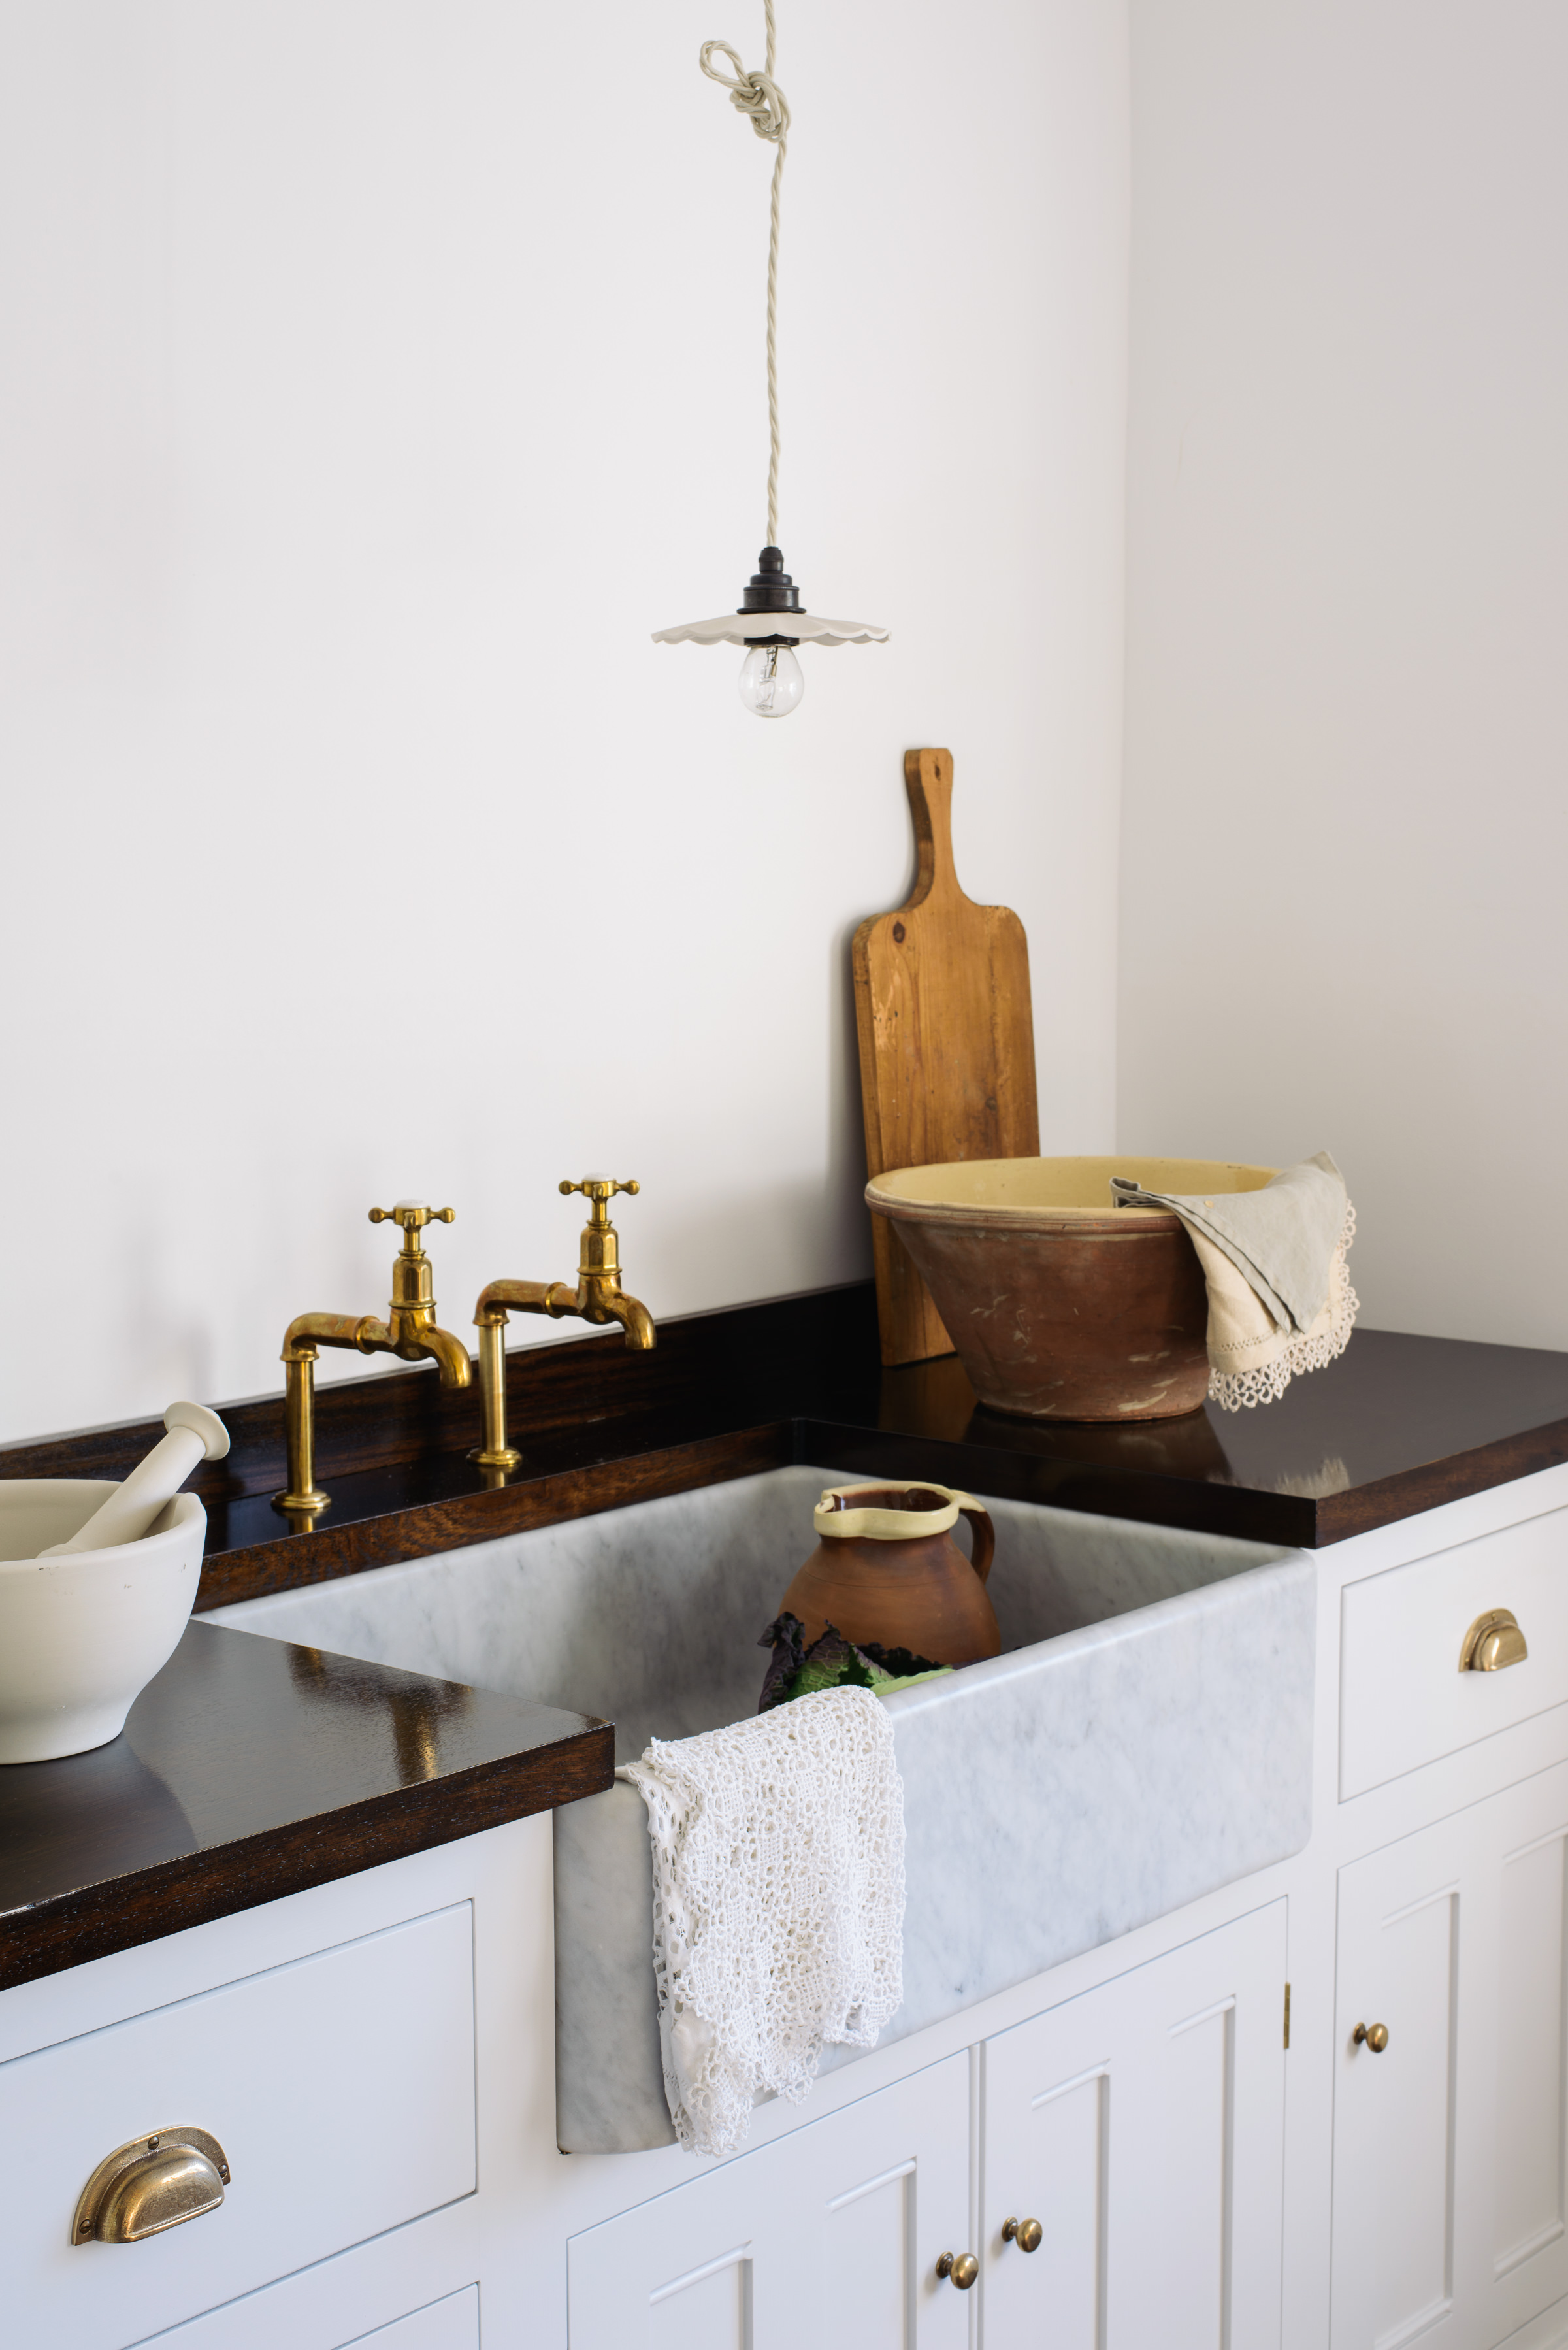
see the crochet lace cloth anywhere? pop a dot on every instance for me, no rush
(778, 1903)
(1280, 1299)
(1247, 1370)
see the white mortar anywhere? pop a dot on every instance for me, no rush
(80, 1637)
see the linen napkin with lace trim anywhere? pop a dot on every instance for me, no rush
(1280, 1299)
(778, 1903)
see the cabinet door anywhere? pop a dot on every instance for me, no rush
(1143, 2127)
(827, 2239)
(1449, 2208)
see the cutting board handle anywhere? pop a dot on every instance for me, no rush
(928, 780)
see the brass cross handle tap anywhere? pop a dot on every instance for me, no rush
(599, 1258)
(598, 1191)
(411, 1216)
(597, 1297)
(409, 1331)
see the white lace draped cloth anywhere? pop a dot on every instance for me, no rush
(1280, 1299)
(778, 1902)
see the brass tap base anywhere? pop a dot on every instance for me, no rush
(507, 1457)
(309, 1504)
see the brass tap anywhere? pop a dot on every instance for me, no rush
(409, 1331)
(597, 1297)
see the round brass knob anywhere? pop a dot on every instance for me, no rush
(1025, 2233)
(962, 2268)
(1376, 2035)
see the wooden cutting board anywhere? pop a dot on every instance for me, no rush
(947, 1043)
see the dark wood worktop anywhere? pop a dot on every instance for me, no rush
(1397, 1426)
(249, 1769)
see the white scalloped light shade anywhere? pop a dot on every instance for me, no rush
(744, 628)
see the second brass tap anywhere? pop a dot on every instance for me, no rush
(597, 1297)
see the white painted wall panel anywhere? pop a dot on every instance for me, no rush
(377, 378)
(1345, 831)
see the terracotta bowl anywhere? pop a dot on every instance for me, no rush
(1060, 1305)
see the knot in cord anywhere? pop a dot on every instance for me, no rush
(758, 97)
(755, 95)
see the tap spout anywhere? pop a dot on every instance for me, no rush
(413, 1341)
(634, 1318)
(308, 1332)
(597, 1297)
(451, 1356)
(499, 1298)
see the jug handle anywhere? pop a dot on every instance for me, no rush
(984, 1534)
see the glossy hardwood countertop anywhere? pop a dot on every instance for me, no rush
(1397, 1426)
(250, 1769)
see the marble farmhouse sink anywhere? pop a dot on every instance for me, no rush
(1144, 1737)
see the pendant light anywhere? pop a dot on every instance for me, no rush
(770, 622)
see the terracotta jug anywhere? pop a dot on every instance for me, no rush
(885, 1568)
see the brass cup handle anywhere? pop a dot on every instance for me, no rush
(1493, 1641)
(1376, 2036)
(960, 2268)
(149, 2184)
(1025, 2233)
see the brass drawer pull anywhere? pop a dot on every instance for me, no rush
(1025, 2233)
(1493, 1641)
(1376, 2035)
(149, 2184)
(963, 2269)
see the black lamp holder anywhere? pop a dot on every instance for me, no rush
(771, 589)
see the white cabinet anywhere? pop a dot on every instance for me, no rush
(830, 2236)
(1143, 2124)
(1403, 1700)
(307, 2075)
(1448, 2142)
(1143, 2127)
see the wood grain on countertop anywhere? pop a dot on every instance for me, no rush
(250, 1769)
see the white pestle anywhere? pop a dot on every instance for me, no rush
(194, 1434)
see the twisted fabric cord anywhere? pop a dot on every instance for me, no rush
(758, 98)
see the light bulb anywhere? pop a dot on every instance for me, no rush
(771, 680)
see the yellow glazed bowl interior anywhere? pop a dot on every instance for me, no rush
(1070, 1190)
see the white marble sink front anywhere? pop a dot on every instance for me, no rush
(1145, 1737)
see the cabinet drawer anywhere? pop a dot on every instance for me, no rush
(341, 2089)
(1403, 1699)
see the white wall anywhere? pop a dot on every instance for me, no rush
(376, 376)
(1347, 814)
